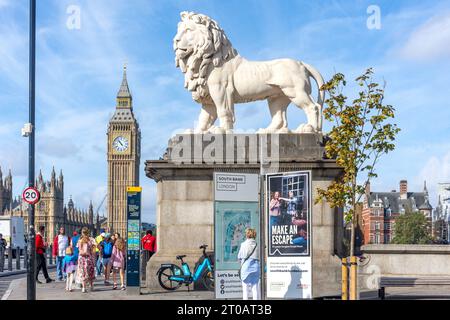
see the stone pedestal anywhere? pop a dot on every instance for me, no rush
(185, 195)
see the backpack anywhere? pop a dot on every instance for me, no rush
(107, 249)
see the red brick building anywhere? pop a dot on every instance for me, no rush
(380, 209)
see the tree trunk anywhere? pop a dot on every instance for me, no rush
(352, 236)
(353, 263)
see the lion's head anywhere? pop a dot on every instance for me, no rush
(199, 43)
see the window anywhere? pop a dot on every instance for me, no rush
(387, 226)
(295, 184)
(377, 238)
(388, 212)
(377, 225)
(387, 238)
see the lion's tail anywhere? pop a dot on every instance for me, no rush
(321, 93)
(318, 78)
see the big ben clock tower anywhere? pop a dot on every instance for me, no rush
(124, 152)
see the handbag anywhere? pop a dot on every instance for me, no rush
(248, 257)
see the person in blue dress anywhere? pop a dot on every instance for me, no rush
(250, 269)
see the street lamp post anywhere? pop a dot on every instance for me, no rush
(31, 256)
(262, 217)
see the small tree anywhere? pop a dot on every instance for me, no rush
(360, 135)
(411, 228)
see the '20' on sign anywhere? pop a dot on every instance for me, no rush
(31, 195)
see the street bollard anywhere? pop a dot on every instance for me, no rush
(9, 259)
(344, 279)
(17, 258)
(50, 261)
(2, 258)
(25, 258)
(49, 256)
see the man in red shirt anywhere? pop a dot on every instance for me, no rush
(149, 248)
(149, 243)
(40, 257)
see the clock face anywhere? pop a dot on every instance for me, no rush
(120, 144)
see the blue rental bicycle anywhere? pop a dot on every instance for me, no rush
(171, 276)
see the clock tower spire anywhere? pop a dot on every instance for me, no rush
(124, 148)
(124, 98)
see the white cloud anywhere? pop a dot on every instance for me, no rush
(436, 170)
(4, 3)
(429, 41)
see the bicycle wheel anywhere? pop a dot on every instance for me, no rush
(164, 278)
(208, 279)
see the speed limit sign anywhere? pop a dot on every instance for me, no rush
(31, 195)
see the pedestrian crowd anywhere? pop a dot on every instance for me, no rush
(80, 259)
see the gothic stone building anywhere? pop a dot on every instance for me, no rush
(50, 211)
(5, 192)
(441, 215)
(380, 209)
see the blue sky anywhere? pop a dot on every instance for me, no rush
(79, 72)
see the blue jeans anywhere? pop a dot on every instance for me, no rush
(59, 268)
(274, 220)
(99, 265)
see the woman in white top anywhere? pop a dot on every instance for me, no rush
(250, 269)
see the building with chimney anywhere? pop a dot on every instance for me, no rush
(380, 209)
(50, 211)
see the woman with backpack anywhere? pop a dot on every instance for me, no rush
(86, 259)
(106, 248)
(117, 261)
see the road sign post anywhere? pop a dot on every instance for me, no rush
(31, 195)
(133, 240)
(31, 254)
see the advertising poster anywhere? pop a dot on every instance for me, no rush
(236, 208)
(289, 234)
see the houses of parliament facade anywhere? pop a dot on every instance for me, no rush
(50, 212)
(123, 159)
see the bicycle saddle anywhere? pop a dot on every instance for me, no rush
(203, 246)
(181, 257)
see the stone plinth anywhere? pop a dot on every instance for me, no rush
(185, 197)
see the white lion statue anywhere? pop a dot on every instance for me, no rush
(219, 77)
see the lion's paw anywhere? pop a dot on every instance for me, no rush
(305, 128)
(283, 130)
(218, 130)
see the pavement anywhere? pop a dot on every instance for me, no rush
(56, 291)
(5, 283)
(14, 288)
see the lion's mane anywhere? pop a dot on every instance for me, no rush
(212, 47)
